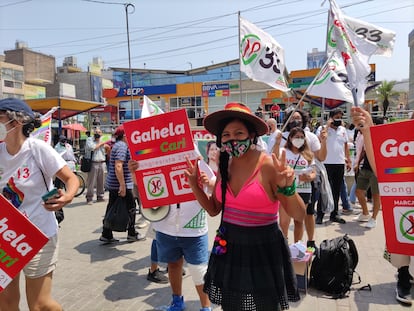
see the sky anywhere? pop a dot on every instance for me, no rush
(185, 34)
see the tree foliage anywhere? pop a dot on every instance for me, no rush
(385, 94)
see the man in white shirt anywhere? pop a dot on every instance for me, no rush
(337, 157)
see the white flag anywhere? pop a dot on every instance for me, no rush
(384, 39)
(261, 57)
(354, 51)
(332, 81)
(149, 108)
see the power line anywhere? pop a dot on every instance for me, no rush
(189, 25)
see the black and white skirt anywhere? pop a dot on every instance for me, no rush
(255, 273)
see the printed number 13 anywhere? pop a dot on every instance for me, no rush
(181, 181)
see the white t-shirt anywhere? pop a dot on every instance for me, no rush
(21, 179)
(300, 166)
(335, 145)
(189, 220)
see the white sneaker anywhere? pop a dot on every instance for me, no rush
(362, 218)
(142, 223)
(372, 223)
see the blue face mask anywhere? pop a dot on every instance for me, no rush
(236, 148)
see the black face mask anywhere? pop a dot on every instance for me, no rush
(96, 136)
(294, 123)
(337, 122)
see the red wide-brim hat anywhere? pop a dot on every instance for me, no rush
(234, 110)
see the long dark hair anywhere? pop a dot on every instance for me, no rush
(209, 144)
(303, 114)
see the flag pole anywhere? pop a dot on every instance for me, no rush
(307, 90)
(240, 57)
(326, 51)
(353, 90)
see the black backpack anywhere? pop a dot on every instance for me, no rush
(334, 265)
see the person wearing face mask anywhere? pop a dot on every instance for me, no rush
(98, 149)
(317, 145)
(66, 151)
(40, 162)
(337, 158)
(301, 159)
(247, 194)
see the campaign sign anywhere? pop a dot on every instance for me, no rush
(394, 158)
(20, 240)
(202, 134)
(160, 144)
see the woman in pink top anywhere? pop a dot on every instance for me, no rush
(250, 266)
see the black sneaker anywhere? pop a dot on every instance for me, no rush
(157, 277)
(108, 240)
(319, 220)
(338, 219)
(403, 295)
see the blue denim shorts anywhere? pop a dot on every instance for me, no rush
(172, 248)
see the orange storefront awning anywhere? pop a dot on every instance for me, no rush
(68, 107)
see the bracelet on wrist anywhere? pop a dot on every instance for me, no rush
(288, 190)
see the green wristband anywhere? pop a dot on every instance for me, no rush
(287, 191)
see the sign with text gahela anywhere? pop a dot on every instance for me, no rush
(20, 240)
(394, 159)
(160, 144)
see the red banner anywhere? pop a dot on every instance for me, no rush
(20, 240)
(202, 134)
(160, 144)
(394, 157)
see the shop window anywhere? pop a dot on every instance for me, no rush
(8, 83)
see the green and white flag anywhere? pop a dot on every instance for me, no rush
(383, 39)
(261, 57)
(332, 81)
(149, 108)
(354, 51)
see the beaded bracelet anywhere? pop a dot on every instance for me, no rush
(288, 190)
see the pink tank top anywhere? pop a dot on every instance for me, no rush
(252, 206)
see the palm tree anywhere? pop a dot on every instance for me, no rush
(385, 93)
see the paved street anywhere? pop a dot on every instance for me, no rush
(95, 277)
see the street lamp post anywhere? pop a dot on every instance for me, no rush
(127, 6)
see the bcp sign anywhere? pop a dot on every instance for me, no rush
(394, 157)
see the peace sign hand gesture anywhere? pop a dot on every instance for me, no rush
(285, 174)
(192, 173)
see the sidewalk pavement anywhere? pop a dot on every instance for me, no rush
(96, 277)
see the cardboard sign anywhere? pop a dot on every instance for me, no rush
(20, 240)
(160, 144)
(394, 157)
